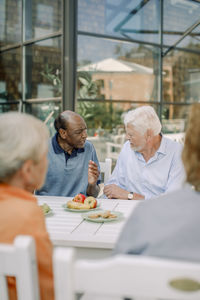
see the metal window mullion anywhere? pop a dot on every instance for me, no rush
(22, 56)
(131, 40)
(69, 42)
(43, 38)
(160, 58)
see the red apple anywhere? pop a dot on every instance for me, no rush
(79, 198)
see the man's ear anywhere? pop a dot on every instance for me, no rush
(149, 134)
(63, 133)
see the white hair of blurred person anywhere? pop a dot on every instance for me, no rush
(22, 138)
(143, 118)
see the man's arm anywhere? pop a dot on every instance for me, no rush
(112, 191)
(93, 174)
(176, 173)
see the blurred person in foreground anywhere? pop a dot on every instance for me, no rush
(73, 164)
(149, 163)
(168, 226)
(23, 165)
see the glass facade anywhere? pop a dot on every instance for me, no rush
(42, 74)
(125, 53)
(31, 57)
(134, 53)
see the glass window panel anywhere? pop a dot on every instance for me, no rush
(43, 69)
(42, 18)
(133, 19)
(174, 118)
(181, 77)
(9, 107)
(192, 41)
(116, 70)
(10, 22)
(10, 75)
(105, 125)
(46, 111)
(179, 15)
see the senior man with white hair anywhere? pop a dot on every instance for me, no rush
(149, 163)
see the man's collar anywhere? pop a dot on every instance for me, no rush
(57, 149)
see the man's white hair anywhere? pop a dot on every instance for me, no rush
(143, 118)
(22, 137)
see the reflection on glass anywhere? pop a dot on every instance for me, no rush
(179, 15)
(46, 112)
(10, 22)
(120, 71)
(42, 18)
(10, 75)
(43, 65)
(181, 77)
(105, 125)
(174, 118)
(134, 19)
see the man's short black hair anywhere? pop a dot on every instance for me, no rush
(60, 122)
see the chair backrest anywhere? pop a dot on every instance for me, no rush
(106, 168)
(125, 276)
(19, 260)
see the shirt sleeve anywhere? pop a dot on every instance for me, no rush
(176, 172)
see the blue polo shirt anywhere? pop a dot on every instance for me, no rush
(67, 174)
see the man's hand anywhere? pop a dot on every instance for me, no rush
(93, 173)
(112, 191)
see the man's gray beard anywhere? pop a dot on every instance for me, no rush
(137, 149)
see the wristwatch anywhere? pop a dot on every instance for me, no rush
(130, 196)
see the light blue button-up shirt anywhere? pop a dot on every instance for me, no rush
(162, 173)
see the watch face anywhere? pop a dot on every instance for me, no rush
(130, 196)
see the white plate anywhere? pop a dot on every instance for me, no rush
(100, 219)
(49, 213)
(80, 210)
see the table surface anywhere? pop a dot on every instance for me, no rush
(70, 229)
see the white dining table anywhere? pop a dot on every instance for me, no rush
(91, 240)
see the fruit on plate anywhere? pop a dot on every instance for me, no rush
(77, 205)
(45, 208)
(91, 201)
(79, 198)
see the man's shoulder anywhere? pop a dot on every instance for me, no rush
(126, 146)
(126, 149)
(172, 146)
(89, 146)
(50, 147)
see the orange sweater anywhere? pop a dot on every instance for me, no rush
(20, 215)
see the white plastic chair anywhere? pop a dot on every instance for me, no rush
(19, 260)
(122, 276)
(106, 168)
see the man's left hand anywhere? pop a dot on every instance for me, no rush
(112, 191)
(93, 173)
